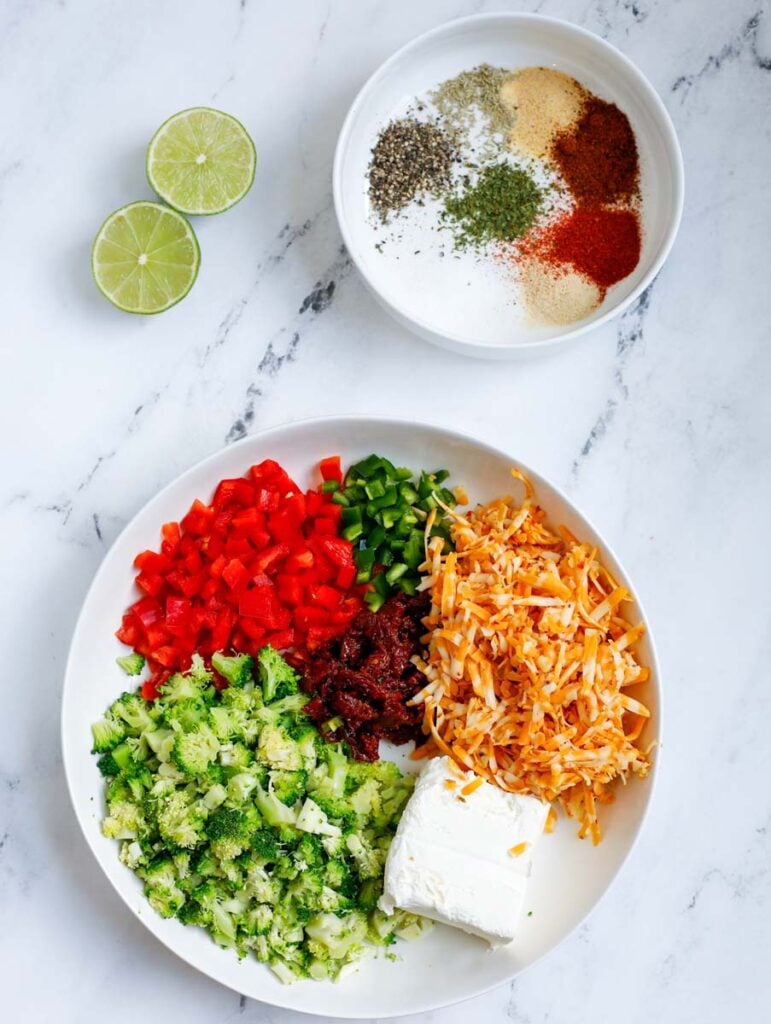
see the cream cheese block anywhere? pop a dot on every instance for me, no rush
(463, 859)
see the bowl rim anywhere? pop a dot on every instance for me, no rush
(345, 421)
(460, 342)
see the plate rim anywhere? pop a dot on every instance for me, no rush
(453, 434)
(460, 343)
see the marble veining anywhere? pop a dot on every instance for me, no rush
(662, 435)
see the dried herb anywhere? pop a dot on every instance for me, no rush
(458, 99)
(500, 207)
(409, 159)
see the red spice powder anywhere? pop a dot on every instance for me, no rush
(597, 157)
(602, 244)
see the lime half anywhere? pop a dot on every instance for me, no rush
(145, 258)
(201, 161)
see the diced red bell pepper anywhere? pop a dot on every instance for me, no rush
(193, 562)
(221, 632)
(313, 501)
(299, 560)
(156, 635)
(235, 574)
(290, 590)
(331, 469)
(177, 610)
(268, 558)
(167, 656)
(259, 603)
(281, 640)
(151, 585)
(265, 470)
(252, 629)
(217, 567)
(152, 563)
(346, 576)
(338, 550)
(170, 538)
(190, 585)
(285, 525)
(199, 519)
(147, 610)
(129, 630)
(267, 500)
(209, 589)
(238, 547)
(248, 520)
(326, 596)
(233, 492)
(307, 616)
(150, 687)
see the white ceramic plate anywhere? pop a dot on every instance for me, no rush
(468, 305)
(569, 875)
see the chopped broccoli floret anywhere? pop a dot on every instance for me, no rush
(236, 755)
(242, 785)
(107, 765)
(265, 844)
(277, 678)
(277, 749)
(289, 787)
(337, 810)
(194, 751)
(133, 710)
(185, 715)
(273, 810)
(340, 935)
(180, 821)
(107, 734)
(237, 670)
(309, 852)
(161, 888)
(132, 664)
(228, 832)
(184, 687)
(124, 821)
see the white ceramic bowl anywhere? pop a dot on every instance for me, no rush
(465, 307)
(569, 875)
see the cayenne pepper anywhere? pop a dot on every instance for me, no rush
(604, 245)
(598, 156)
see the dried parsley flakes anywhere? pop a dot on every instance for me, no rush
(500, 207)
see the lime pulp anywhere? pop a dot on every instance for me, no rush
(145, 258)
(201, 161)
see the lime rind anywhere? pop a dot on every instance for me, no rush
(145, 258)
(201, 161)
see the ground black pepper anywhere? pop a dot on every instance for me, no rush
(410, 158)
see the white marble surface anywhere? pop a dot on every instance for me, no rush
(659, 427)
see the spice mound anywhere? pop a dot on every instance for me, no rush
(361, 683)
(542, 103)
(500, 207)
(410, 158)
(597, 156)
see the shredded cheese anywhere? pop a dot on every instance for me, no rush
(529, 657)
(519, 849)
